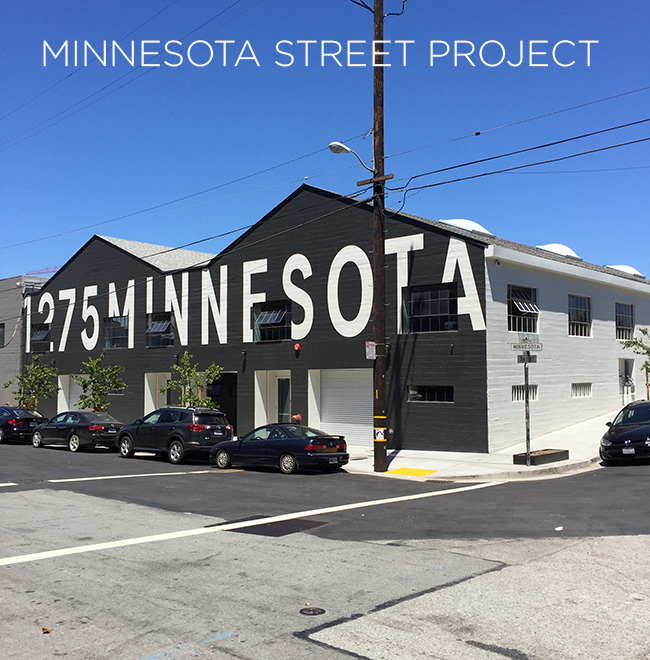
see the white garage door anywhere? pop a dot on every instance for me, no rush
(346, 404)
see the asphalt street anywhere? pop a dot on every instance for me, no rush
(141, 559)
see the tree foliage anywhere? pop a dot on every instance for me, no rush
(190, 383)
(97, 382)
(37, 383)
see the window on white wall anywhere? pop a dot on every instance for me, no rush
(580, 390)
(624, 321)
(523, 311)
(579, 316)
(519, 392)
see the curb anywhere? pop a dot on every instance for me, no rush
(513, 475)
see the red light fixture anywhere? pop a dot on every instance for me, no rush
(296, 347)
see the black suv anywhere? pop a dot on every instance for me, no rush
(176, 432)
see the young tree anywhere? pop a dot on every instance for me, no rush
(36, 384)
(641, 347)
(98, 382)
(191, 383)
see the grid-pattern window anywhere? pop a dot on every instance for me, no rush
(160, 330)
(624, 321)
(580, 390)
(432, 308)
(523, 311)
(272, 321)
(431, 393)
(579, 316)
(116, 332)
(519, 392)
(40, 341)
(2, 335)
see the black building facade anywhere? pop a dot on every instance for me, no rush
(286, 311)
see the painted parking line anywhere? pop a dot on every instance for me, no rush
(9, 483)
(126, 476)
(228, 527)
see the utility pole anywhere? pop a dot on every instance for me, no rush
(378, 271)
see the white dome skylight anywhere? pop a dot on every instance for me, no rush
(559, 248)
(627, 269)
(467, 225)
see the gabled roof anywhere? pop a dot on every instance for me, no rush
(161, 257)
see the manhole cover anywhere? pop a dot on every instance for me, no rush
(312, 611)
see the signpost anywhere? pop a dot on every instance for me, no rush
(526, 358)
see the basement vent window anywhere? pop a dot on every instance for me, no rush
(430, 394)
(580, 390)
(519, 393)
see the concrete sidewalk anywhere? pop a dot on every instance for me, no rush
(582, 441)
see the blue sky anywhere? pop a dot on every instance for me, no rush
(91, 150)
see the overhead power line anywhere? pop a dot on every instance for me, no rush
(522, 151)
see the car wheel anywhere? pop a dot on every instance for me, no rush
(126, 447)
(176, 452)
(288, 464)
(2, 434)
(37, 439)
(74, 443)
(222, 461)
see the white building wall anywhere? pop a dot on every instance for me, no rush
(564, 359)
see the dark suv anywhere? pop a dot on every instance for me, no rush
(176, 432)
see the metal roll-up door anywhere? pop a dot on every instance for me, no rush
(346, 404)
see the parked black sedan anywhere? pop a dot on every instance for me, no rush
(287, 446)
(628, 436)
(77, 429)
(18, 423)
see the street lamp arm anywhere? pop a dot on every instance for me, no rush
(340, 148)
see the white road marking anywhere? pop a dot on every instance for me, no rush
(126, 476)
(8, 484)
(226, 527)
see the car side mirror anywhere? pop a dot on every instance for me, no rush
(138, 422)
(608, 424)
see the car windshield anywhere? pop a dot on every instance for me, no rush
(304, 431)
(629, 416)
(210, 419)
(26, 412)
(101, 417)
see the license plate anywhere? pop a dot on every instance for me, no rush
(112, 430)
(32, 423)
(218, 432)
(628, 450)
(334, 459)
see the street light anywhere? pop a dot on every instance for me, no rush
(340, 148)
(378, 303)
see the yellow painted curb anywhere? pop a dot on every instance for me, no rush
(411, 472)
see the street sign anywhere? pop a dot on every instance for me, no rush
(526, 359)
(526, 346)
(371, 353)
